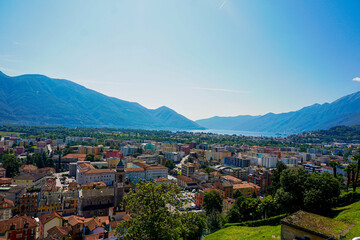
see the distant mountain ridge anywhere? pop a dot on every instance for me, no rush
(344, 111)
(33, 99)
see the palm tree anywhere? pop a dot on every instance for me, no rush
(353, 167)
(356, 177)
(334, 165)
(348, 170)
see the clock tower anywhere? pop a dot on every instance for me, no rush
(119, 187)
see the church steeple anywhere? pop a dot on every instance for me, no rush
(120, 167)
(119, 191)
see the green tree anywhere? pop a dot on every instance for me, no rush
(212, 202)
(334, 165)
(11, 164)
(312, 192)
(356, 172)
(90, 157)
(323, 194)
(275, 178)
(353, 167)
(268, 207)
(193, 225)
(293, 183)
(233, 215)
(214, 221)
(155, 214)
(68, 150)
(348, 170)
(237, 193)
(170, 164)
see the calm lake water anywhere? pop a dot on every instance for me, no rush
(244, 133)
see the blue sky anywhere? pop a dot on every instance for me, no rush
(200, 58)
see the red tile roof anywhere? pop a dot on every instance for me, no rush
(58, 232)
(245, 185)
(139, 169)
(74, 220)
(97, 171)
(80, 157)
(18, 222)
(185, 179)
(48, 217)
(6, 203)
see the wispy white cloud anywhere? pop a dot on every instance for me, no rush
(223, 4)
(220, 90)
(17, 43)
(357, 79)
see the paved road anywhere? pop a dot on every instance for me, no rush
(58, 177)
(182, 161)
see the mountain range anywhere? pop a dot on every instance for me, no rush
(344, 111)
(34, 99)
(38, 100)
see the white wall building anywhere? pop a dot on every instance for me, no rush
(87, 176)
(268, 161)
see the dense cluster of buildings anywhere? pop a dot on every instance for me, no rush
(86, 200)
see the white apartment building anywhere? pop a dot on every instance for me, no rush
(268, 161)
(87, 176)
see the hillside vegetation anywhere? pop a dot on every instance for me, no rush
(38, 100)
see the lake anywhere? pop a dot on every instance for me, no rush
(244, 133)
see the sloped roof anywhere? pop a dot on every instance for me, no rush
(316, 224)
(73, 220)
(6, 203)
(59, 231)
(18, 222)
(48, 217)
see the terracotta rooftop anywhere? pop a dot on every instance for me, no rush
(185, 179)
(138, 169)
(94, 184)
(58, 232)
(73, 220)
(80, 157)
(216, 173)
(245, 185)
(85, 165)
(157, 167)
(231, 179)
(48, 217)
(5, 181)
(28, 167)
(18, 222)
(114, 224)
(97, 171)
(6, 203)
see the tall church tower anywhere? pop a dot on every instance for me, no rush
(119, 187)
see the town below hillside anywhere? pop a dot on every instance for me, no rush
(107, 183)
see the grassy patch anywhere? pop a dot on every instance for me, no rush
(242, 233)
(350, 214)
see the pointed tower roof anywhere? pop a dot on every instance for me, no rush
(120, 166)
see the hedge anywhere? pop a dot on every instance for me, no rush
(348, 198)
(267, 221)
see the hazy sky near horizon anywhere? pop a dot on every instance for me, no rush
(201, 58)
